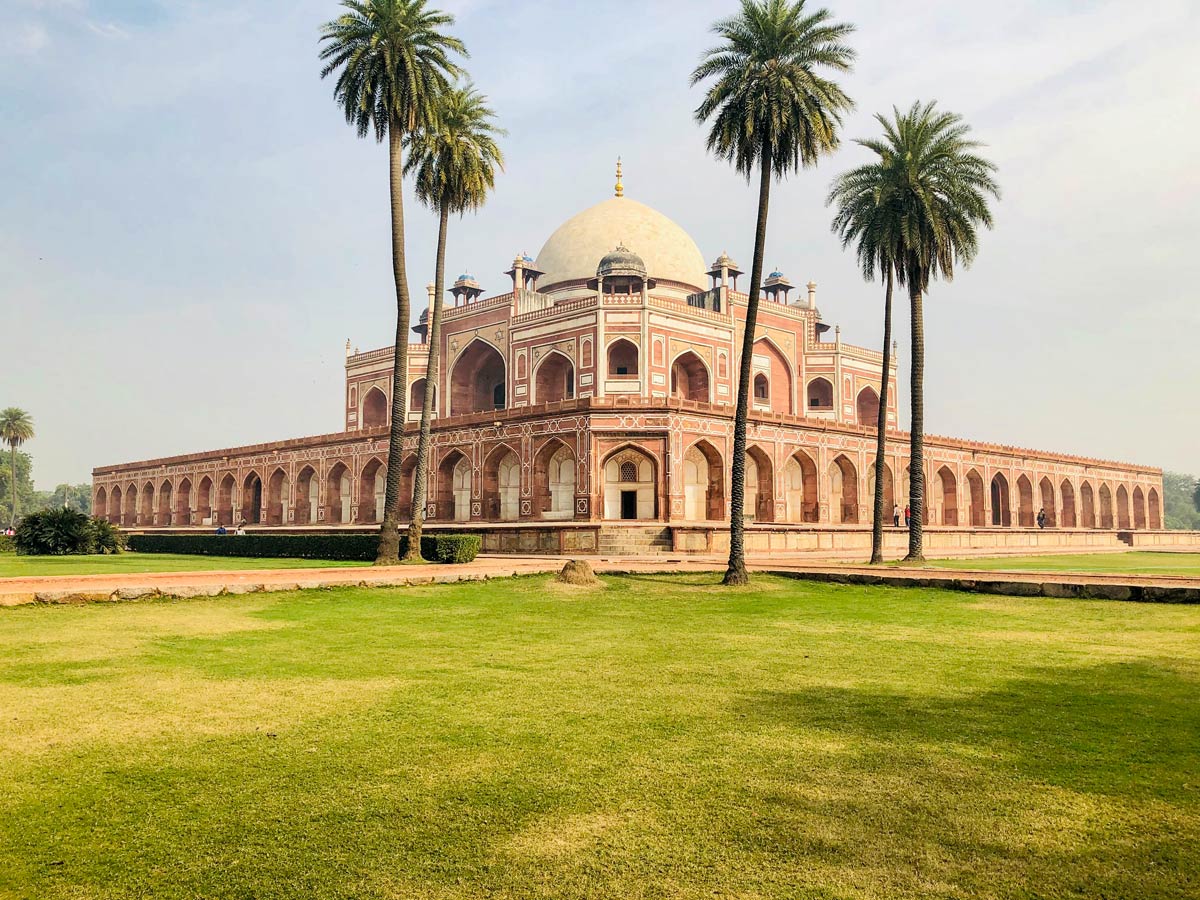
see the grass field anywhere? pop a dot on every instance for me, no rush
(1134, 562)
(657, 737)
(12, 565)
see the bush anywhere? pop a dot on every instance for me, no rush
(444, 548)
(6, 543)
(57, 532)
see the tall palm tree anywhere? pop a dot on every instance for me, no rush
(940, 189)
(454, 163)
(16, 427)
(392, 60)
(867, 218)
(772, 109)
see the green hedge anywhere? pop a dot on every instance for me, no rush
(445, 548)
(6, 544)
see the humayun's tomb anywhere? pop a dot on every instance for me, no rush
(590, 409)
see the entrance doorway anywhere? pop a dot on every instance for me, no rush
(629, 505)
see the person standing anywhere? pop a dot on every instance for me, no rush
(907, 515)
(1041, 517)
(896, 514)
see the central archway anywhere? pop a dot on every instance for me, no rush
(478, 380)
(630, 485)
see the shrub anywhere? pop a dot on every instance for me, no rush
(59, 531)
(443, 548)
(6, 543)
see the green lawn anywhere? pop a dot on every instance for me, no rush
(1135, 562)
(12, 565)
(654, 738)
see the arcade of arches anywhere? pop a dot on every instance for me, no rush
(545, 480)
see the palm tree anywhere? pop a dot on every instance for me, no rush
(392, 60)
(772, 108)
(939, 188)
(16, 427)
(454, 163)
(867, 218)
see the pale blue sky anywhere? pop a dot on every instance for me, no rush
(189, 232)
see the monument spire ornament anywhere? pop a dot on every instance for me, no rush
(620, 192)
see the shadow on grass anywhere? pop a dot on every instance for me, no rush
(1123, 729)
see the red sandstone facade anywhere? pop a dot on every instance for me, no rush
(601, 388)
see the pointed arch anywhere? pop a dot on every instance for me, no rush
(1066, 493)
(630, 483)
(416, 398)
(338, 495)
(703, 483)
(945, 491)
(1047, 502)
(759, 500)
(146, 506)
(820, 394)
(374, 409)
(454, 486)
(307, 496)
(1106, 506)
(131, 504)
(553, 378)
(1154, 510)
(843, 491)
(204, 500)
(623, 359)
(779, 377)
(100, 504)
(408, 474)
(502, 484)
(1122, 507)
(114, 503)
(1139, 507)
(278, 497)
(554, 477)
(1087, 506)
(182, 514)
(690, 378)
(372, 482)
(478, 379)
(978, 510)
(1001, 506)
(889, 489)
(800, 482)
(867, 407)
(1025, 511)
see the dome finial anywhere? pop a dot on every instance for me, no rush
(620, 187)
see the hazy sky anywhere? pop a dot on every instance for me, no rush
(189, 232)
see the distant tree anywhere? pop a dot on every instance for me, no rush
(454, 163)
(1196, 496)
(70, 496)
(26, 495)
(772, 109)
(868, 218)
(940, 188)
(392, 60)
(1179, 502)
(16, 427)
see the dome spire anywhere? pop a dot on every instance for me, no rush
(620, 192)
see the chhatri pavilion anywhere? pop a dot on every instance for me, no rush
(590, 407)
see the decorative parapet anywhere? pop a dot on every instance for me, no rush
(557, 309)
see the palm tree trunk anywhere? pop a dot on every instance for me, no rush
(736, 573)
(916, 453)
(432, 384)
(881, 436)
(389, 531)
(12, 522)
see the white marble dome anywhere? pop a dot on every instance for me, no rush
(576, 248)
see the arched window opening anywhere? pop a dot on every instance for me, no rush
(622, 359)
(820, 394)
(762, 388)
(477, 382)
(555, 380)
(374, 409)
(868, 407)
(689, 378)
